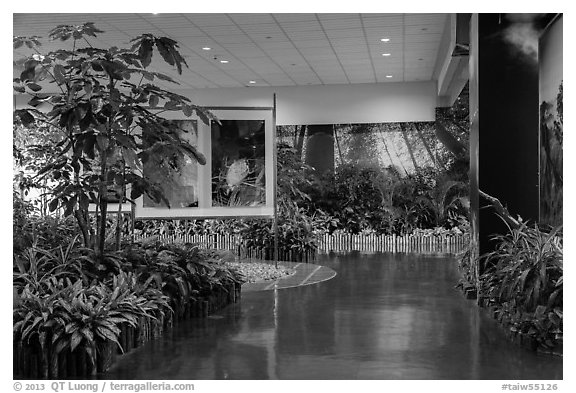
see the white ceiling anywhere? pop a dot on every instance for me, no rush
(272, 49)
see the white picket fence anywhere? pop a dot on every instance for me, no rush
(453, 243)
(338, 242)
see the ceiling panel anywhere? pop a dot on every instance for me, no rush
(271, 49)
(252, 19)
(341, 24)
(294, 17)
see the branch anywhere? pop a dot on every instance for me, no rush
(500, 210)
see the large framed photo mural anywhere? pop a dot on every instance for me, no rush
(238, 177)
(550, 50)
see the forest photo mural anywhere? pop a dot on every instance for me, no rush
(551, 124)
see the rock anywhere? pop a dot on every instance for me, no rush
(257, 271)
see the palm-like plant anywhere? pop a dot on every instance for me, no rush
(35, 266)
(526, 266)
(446, 196)
(524, 279)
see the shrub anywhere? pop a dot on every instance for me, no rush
(66, 315)
(71, 298)
(524, 281)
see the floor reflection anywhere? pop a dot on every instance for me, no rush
(383, 316)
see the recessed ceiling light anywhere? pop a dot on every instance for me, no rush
(385, 39)
(388, 76)
(385, 54)
(206, 48)
(223, 61)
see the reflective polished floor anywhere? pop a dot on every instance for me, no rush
(384, 316)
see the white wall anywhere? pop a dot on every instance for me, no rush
(328, 104)
(331, 104)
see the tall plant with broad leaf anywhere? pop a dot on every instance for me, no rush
(102, 101)
(524, 280)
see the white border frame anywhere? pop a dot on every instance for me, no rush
(205, 210)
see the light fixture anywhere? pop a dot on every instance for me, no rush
(206, 48)
(388, 76)
(252, 82)
(385, 54)
(223, 61)
(385, 39)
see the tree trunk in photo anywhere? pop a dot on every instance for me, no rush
(299, 139)
(320, 148)
(405, 136)
(448, 140)
(397, 156)
(427, 147)
(385, 146)
(338, 147)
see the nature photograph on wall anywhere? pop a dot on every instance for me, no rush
(238, 170)
(177, 176)
(551, 124)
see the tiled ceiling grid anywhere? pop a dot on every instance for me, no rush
(272, 49)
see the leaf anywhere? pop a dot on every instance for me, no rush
(106, 334)
(25, 117)
(131, 159)
(103, 142)
(97, 66)
(28, 74)
(165, 51)
(164, 77)
(153, 101)
(145, 52)
(171, 105)
(194, 153)
(34, 86)
(84, 201)
(70, 205)
(53, 205)
(58, 72)
(187, 110)
(126, 141)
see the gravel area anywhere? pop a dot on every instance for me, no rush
(256, 271)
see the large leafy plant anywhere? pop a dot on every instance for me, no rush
(524, 281)
(101, 102)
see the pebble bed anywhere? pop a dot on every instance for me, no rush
(256, 271)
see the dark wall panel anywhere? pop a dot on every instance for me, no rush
(508, 122)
